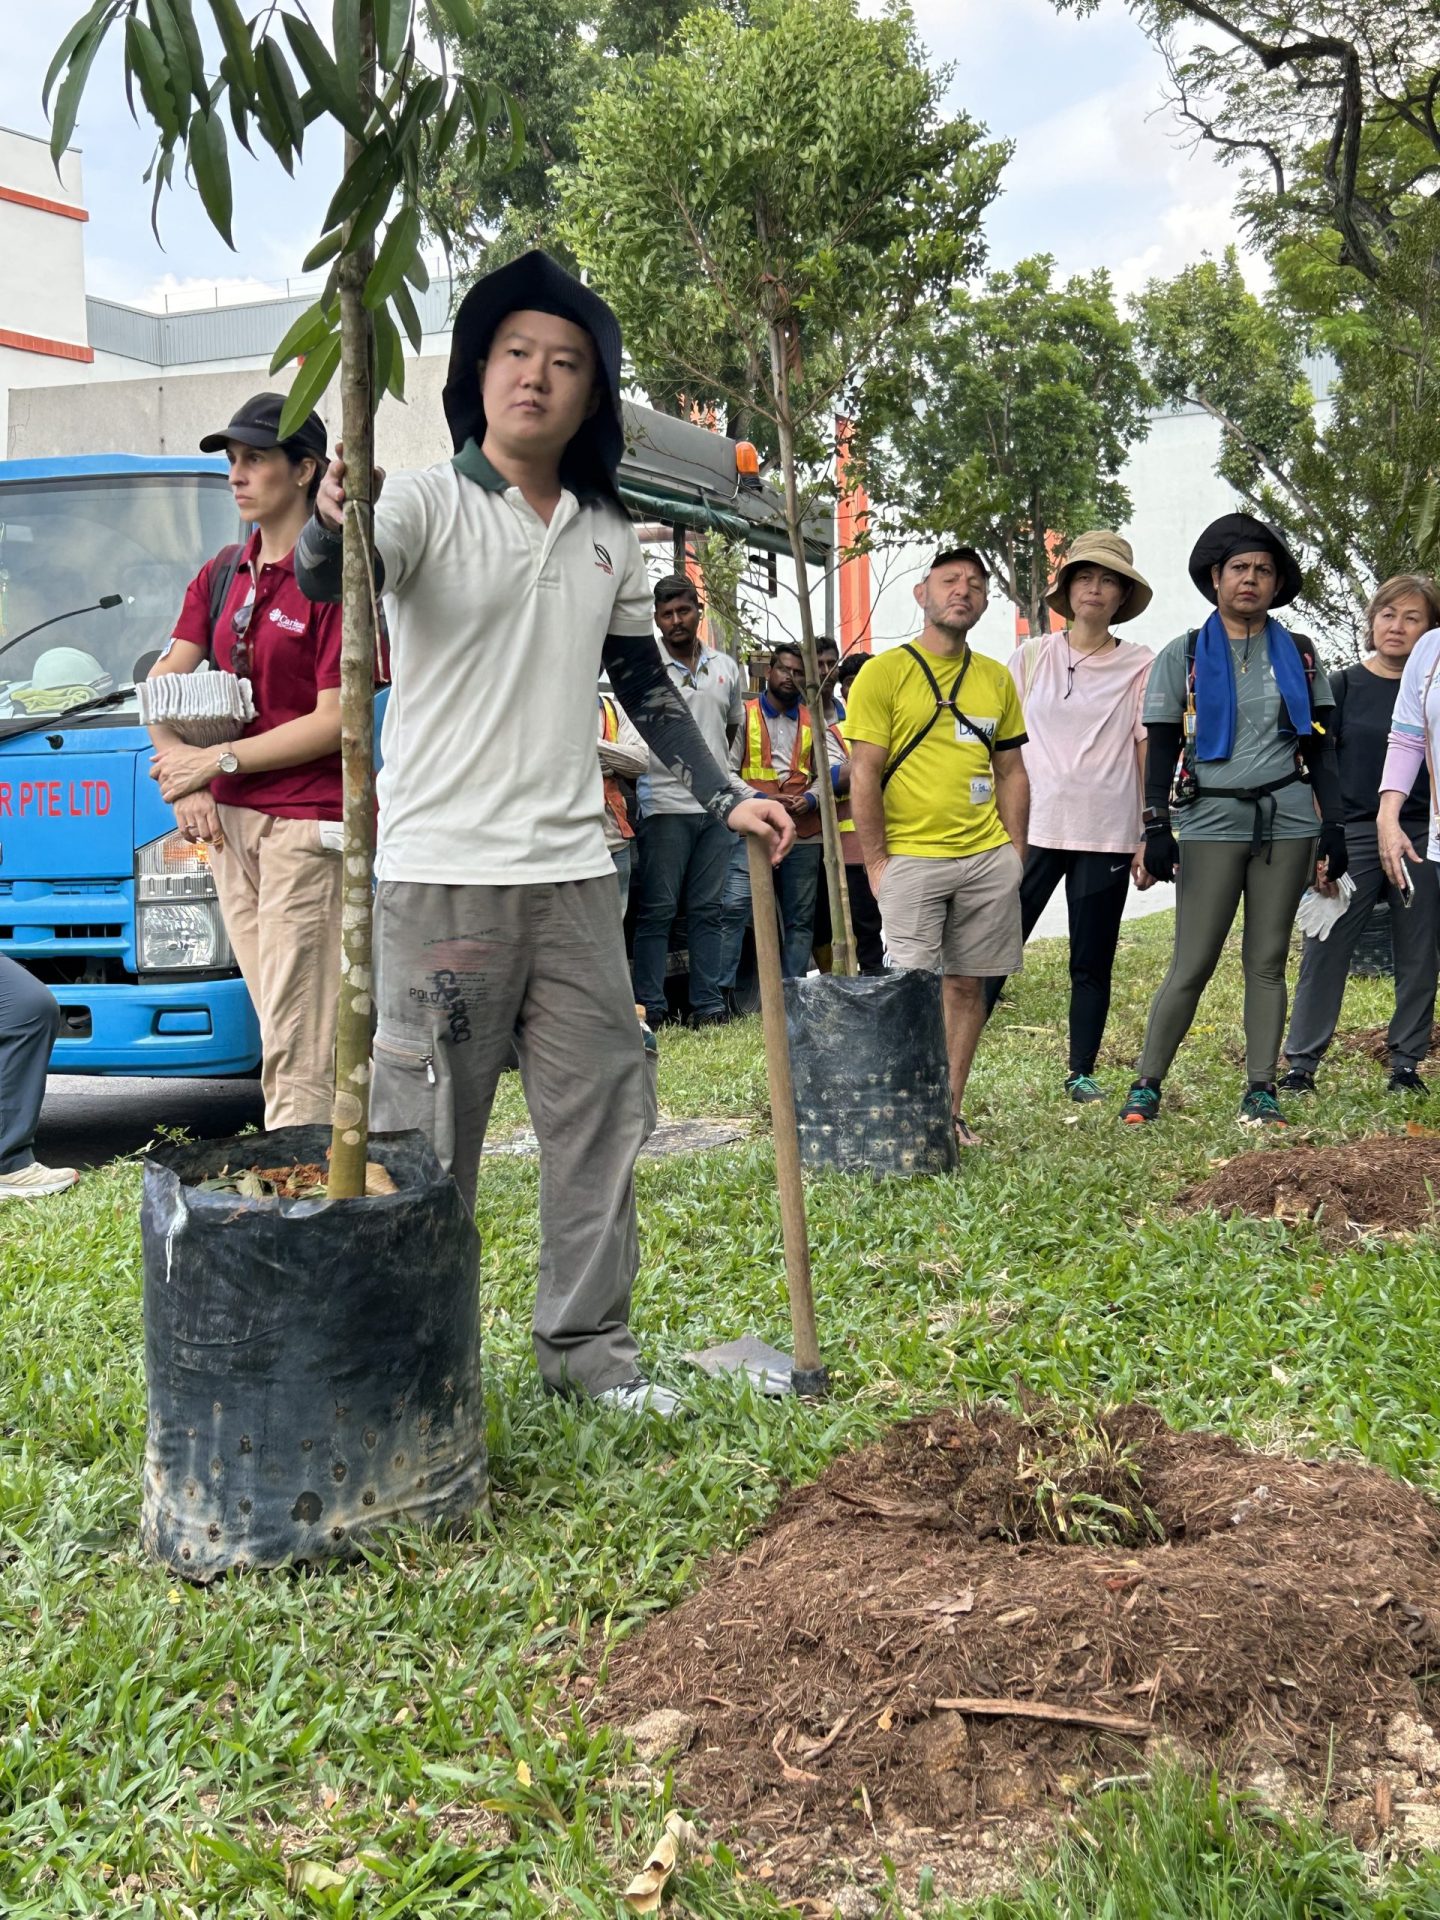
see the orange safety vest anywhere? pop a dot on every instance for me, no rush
(759, 771)
(614, 795)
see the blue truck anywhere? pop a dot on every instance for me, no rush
(100, 897)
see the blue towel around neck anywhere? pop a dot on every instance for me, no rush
(1215, 685)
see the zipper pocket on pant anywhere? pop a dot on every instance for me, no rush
(409, 1056)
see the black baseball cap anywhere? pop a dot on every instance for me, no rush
(946, 554)
(676, 586)
(257, 424)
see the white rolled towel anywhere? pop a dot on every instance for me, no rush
(205, 709)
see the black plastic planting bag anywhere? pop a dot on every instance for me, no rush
(872, 1083)
(313, 1366)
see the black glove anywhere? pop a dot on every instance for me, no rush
(1162, 850)
(1333, 851)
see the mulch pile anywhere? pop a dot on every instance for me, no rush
(1387, 1183)
(1373, 1041)
(1114, 1575)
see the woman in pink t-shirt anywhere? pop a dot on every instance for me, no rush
(1082, 690)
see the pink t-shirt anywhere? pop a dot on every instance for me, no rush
(1085, 792)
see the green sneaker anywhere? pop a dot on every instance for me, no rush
(1082, 1088)
(1142, 1106)
(1260, 1108)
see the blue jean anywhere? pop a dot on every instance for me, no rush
(797, 881)
(624, 860)
(682, 857)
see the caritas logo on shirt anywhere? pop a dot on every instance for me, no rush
(284, 620)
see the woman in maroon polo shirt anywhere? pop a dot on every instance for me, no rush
(269, 803)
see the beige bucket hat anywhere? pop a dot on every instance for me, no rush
(1101, 549)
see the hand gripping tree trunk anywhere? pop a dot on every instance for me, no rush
(842, 937)
(351, 1115)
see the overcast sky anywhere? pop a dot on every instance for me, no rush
(1100, 175)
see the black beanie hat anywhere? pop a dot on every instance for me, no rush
(1236, 533)
(537, 282)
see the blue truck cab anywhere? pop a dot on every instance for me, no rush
(100, 896)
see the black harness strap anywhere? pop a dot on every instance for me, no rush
(1262, 831)
(943, 704)
(225, 566)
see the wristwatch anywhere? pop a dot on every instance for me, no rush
(227, 763)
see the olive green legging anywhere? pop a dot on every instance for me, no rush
(1213, 877)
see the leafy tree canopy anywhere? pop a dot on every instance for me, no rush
(1036, 398)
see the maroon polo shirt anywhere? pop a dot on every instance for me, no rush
(294, 647)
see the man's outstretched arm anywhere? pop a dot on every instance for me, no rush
(663, 721)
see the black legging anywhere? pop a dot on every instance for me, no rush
(1095, 888)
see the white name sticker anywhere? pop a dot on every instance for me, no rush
(980, 792)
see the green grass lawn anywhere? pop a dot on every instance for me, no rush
(171, 1751)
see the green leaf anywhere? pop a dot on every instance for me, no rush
(311, 381)
(324, 76)
(409, 316)
(210, 163)
(392, 31)
(417, 273)
(235, 36)
(459, 16)
(280, 100)
(397, 250)
(67, 47)
(145, 58)
(177, 58)
(345, 32)
(305, 335)
(373, 165)
(67, 101)
(1427, 526)
(389, 356)
(325, 248)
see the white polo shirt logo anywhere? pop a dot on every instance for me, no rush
(602, 557)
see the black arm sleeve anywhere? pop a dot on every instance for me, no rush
(1163, 750)
(317, 563)
(663, 721)
(1325, 777)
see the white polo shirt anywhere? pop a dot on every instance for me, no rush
(715, 695)
(490, 775)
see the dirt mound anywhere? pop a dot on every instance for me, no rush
(977, 1617)
(1387, 1183)
(1372, 1041)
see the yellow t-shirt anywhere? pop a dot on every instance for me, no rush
(940, 804)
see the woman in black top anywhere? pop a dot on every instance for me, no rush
(1403, 608)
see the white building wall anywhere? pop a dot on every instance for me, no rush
(42, 288)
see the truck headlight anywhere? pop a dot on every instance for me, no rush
(177, 916)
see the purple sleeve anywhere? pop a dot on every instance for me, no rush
(1403, 761)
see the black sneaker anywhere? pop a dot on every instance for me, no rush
(1082, 1088)
(1405, 1080)
(1142, 1106)
(1260, 1108)
(1298, 1081)
(714, 1019)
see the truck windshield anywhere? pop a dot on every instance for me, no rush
(69, 542)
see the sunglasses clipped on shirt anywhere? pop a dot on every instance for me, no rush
(240, 650)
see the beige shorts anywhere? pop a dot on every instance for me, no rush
(954, 916)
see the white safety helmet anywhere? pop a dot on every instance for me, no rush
(67, 667)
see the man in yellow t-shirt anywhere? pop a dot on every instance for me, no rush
(941, 803)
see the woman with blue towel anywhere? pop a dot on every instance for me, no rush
(1241, 769)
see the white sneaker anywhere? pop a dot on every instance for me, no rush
(30, 1183)
(641, 1396)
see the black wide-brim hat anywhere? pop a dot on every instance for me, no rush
(1236, 533)
(541, 285)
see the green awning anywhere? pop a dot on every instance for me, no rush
(705, 515)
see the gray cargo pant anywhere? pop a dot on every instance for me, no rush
(1325, 964)
(29, 1022)
(461, 973)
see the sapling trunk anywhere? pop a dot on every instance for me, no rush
(842, 938)
(351, 1113)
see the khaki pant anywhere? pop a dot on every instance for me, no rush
(280, 895)
(461, 975)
